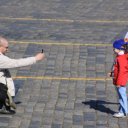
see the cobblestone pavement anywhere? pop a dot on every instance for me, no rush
(69, 88)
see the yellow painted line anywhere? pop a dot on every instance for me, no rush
(62, 43)
(35, 19)
(64, 20)
(61, 78)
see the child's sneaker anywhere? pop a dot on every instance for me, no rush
(119, 115)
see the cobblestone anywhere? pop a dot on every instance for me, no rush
(80, 25)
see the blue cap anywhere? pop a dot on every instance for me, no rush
(118, 44)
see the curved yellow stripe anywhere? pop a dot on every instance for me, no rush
(62, 43)
(61, 78)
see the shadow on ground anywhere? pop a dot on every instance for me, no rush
(100, 106)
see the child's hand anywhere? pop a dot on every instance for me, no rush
(118, 86)
(109, 74)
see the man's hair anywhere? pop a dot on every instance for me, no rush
(2, 40)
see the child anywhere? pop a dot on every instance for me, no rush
(120, 75)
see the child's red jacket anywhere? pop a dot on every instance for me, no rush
(121, 70)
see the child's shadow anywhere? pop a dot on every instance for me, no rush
(99, 105)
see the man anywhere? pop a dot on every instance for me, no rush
(126, 37)
(7, 63)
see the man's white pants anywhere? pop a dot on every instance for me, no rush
(10, 84)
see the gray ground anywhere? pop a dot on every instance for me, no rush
(64, 103)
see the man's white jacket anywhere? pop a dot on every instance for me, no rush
(7, 63)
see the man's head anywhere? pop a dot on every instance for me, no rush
(126, 37)
(3, 45)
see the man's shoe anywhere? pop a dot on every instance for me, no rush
(4, 111)
(119, 115)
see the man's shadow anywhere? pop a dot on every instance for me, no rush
(100, 106)
(18, 84)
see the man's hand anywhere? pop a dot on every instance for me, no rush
(39, 56)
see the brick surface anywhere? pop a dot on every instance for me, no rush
(64, 103)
